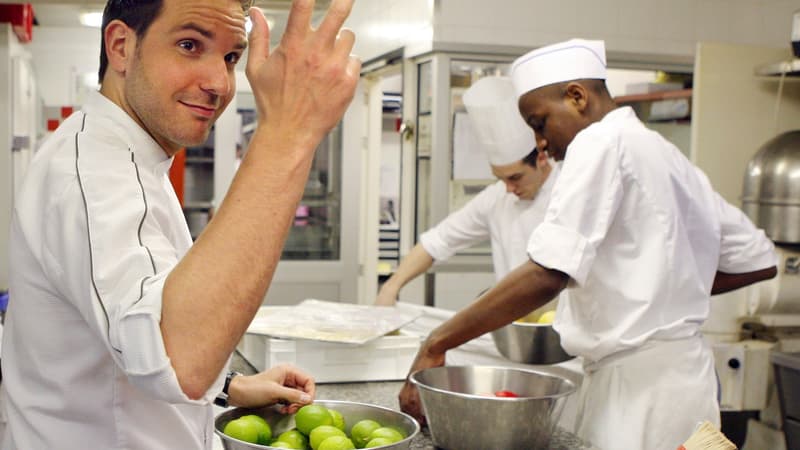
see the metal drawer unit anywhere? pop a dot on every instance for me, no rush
(787, 377)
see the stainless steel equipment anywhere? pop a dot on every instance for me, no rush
(530, 343)
(769, 320)
(771, 191)
(787, 379)
(463, 413)
(352, 412)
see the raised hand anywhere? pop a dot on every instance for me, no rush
(306, 83)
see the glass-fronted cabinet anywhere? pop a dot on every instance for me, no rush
(451, 169)
(316, 229)
(316, 262)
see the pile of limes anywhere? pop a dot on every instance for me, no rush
(317, 428)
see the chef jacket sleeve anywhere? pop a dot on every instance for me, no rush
(584, 201)
(107, 249)
(463, 228)
(743, 247)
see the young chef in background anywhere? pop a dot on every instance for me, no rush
(505, 212)
(120, 329)
(641, 241)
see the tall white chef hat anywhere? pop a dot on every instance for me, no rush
(501, 131)
(566, 61)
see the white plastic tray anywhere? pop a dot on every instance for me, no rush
(382, 359)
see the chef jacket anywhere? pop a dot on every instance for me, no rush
(96, 229)
(495, 214)
(641, 234)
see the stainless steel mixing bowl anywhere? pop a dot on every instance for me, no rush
(463, 413)
(352, 412)
(530, 343)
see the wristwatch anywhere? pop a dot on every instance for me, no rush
(222, 398)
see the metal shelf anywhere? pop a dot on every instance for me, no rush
(654, 96)
(790, 68)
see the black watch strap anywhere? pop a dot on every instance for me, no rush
(222, 398)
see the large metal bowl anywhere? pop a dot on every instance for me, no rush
(463, 413)
(530, 343)
(352, 412)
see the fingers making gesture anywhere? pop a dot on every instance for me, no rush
(308, 80)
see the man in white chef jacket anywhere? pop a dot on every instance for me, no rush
(119, 329)
(505, 212)
(640, 240)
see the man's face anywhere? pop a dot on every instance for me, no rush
(521, 179)
(553, 118)
(181, 77)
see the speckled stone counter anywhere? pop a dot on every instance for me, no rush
(385, 394)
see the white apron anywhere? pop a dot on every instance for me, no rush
(620, 409)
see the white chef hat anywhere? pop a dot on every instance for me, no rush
(566, 61)
(499, 127)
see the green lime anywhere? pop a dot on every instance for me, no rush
(361, 431)
(378, 442)
(387, 433)
(243, 430)
(336, 443)
(311, 416)
(323, 432)
(296, 439)
(281, 444)
(338, 419)
(401, 431)
(264, 430)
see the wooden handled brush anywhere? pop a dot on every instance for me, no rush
(706, 437)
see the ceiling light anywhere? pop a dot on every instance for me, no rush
(92, 19)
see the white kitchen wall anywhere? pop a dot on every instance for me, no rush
(385, 25)
(653, 27)
(61, 55)
(62, 58)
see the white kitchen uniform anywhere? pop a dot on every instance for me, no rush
(494, 214)
(641, 234)
(95, 231)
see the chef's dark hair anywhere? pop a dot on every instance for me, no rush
(530, 158)
(138, 15)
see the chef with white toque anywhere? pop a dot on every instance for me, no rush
(639, 239)
(505, 212)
